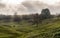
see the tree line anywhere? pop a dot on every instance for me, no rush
(32, 18)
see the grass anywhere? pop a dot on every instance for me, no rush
(47, 29)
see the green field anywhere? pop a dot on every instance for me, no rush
(49, 28)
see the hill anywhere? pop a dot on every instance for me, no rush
(49, 28)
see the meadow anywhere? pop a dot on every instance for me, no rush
(49, 28)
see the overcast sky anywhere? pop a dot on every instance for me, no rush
(51, 2)
(54, 5)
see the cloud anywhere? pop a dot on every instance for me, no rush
(34, 6)
(2, 5)
(29, 7)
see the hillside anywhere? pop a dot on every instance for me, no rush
(49, 28)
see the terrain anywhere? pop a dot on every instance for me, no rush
(49, 28)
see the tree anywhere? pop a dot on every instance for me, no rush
(45, 13)
(16, 18)
(36, 19)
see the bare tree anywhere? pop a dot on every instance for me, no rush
(16, 18)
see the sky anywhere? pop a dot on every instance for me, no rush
(12, 1)
(50, 2)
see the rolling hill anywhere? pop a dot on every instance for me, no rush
(49, 28)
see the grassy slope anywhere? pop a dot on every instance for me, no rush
(47, 29)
